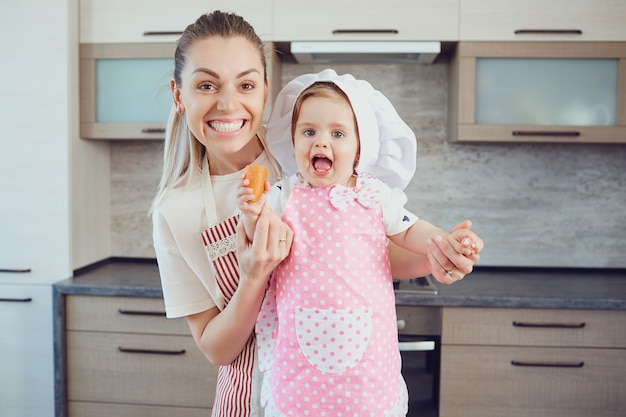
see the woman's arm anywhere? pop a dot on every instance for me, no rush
(221, 335)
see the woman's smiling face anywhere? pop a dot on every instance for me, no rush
(223, 93)
(326, 140)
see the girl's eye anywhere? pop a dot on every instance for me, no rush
(308, 132)
(338, 135)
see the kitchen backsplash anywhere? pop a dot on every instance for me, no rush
(533, 204)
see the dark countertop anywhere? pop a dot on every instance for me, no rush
(563, 288)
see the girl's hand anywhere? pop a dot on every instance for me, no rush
(245, 195)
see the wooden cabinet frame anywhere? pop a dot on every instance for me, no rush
(462, 83)
(89, 53)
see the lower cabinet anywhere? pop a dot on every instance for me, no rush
(26, 351)
(124, 358)
(536, 363)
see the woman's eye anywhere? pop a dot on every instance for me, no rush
(247, 86)
(206, 86)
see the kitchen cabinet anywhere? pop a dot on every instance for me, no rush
(132, 21)
(538, 92)
(366, 20)
(532, 362)
(124, 358)
(125, 89)
(37, 121)
(537, 20)
(26, 354)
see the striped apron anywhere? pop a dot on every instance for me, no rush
(233, 396)
(234, 381)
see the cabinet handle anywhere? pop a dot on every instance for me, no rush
(364, 31)
(548, 32)
(141, 312)
(153, 130)
(152, 351)
(163, 33)
(549, 364)
(16, 300)
(15, 270)
(544, 133)
(419, 346)
(550, 325)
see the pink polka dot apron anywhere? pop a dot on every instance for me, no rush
(234, 381)
(328, 329)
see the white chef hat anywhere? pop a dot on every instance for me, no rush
(388, 145)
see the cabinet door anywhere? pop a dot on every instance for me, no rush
(537, 20)
(366, 20)
(112, 21)
(538, 92)
(132, 368)
(36, 119)
(124, 90)
(26, 351)
(122, 315)
(496, 381)
(534, 327)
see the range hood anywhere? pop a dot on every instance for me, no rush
(325, 52)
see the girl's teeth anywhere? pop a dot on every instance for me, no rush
(226, 127)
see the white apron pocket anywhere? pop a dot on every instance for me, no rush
(333, 340)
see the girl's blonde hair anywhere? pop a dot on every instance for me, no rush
(182, 151)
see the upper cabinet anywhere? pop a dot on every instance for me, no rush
(537, 20)
(538, 92)
(113, 21)
(366, 20)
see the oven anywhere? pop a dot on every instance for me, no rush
(419, 335)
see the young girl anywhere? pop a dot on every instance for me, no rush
(327, 331)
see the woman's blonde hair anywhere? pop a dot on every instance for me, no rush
(182, 151)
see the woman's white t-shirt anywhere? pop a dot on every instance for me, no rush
(189, 286)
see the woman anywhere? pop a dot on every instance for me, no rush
(210, 274)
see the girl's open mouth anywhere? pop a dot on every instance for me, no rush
(321, 163)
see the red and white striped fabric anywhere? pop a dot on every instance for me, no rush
(234, 381)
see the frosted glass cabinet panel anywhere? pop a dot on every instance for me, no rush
(538, 92)
(124, 90)
(133, 90)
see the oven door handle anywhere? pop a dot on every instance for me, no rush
(416, 346)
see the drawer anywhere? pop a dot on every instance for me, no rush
(419, 320)
(480, 381)
(152, 369)
(80, 409)
(121, 314)
(534, 327)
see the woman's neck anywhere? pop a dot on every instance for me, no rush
(223, 164)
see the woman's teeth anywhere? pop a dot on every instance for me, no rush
(226, 127)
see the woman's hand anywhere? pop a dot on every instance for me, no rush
(446, 264)
(269, 247)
